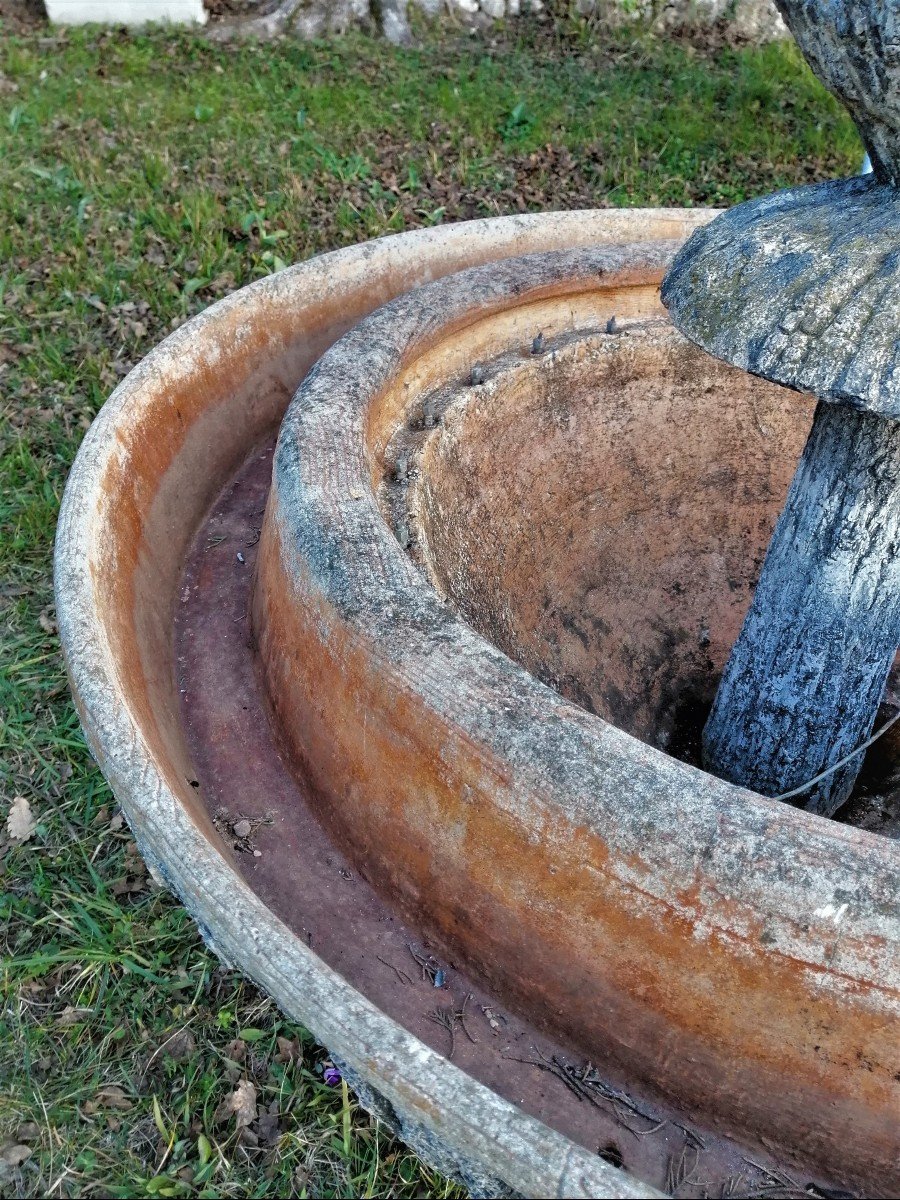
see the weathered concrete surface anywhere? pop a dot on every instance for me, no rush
(156, 456)
(807, 673)
(802, 288)
(739, 955)
(600, 510)
(854, 48)
(754, 20)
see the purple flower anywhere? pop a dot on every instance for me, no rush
(332, 1076)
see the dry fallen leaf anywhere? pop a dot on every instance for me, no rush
(289, 1050)
(20, 823)
(72, 1016)
(47, 620)
(14, 1156)
(179, 1046)
(113, 1097)
(241, 1102)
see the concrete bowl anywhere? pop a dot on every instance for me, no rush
(732, 959)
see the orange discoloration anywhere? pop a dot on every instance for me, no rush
(672, 976)
(709, 1023)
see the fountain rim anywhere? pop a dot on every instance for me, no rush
(756, 887)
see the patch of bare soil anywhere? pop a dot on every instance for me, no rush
(549, 177)
(22, 16)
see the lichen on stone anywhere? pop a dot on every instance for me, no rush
(802, 288)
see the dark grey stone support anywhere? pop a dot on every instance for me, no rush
(802, 686)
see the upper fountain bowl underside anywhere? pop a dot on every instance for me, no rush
(802, 288)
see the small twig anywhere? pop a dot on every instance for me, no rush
(646, 1132)
(401, 975)
(429, 965)
(446, 1018)
(677, 1174)
(693, 1139)
(461, 1017)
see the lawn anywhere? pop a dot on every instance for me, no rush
(140, 179)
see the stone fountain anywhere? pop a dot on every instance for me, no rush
(401, 682)
(802, 288)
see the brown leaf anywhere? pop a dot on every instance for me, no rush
(46, 619)
(14, 1156)
(19, 822)
(268, 1129)
(289, 1050)
(72, 1016)
(241, 1103)
(236, 1050)
(27, 1131)
(112, 1096)
(179, 1046)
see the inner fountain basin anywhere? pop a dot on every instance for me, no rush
(161, 454)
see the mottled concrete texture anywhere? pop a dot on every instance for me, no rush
(753, 20)
(806, 675)
(652, 909)
(157, 455)
(803, 288)
(854, 48)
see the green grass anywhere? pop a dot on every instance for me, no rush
(140, 178)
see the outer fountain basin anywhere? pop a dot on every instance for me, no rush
(158, 454)
(737, 956)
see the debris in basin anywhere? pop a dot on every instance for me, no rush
(429, 966)
(450, 1018)
(493, 1017)
(586, 1083)
(402, 976)
(801, 288)
(241, 830)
